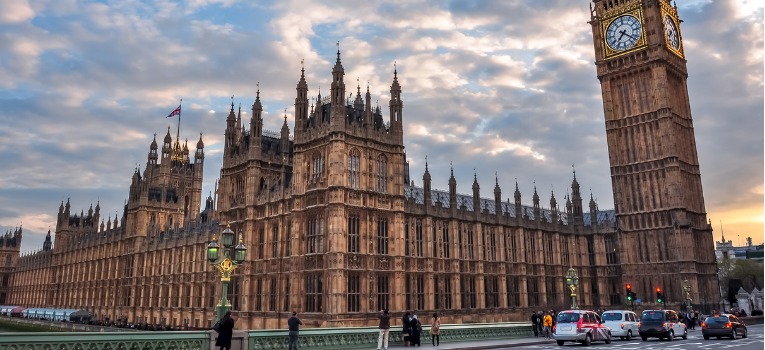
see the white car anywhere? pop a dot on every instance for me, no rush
(623, 324)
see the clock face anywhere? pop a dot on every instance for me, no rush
(671, 30)
(623, 32)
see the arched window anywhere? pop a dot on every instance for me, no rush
(354, 166)
(382, 174)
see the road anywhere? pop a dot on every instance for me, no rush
(754, 341)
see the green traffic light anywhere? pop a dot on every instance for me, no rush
(629, 298)
(658, 300)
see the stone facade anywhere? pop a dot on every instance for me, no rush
(337, 230)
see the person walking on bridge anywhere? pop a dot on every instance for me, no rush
(382, 341)
(294, 325)
(225, 332)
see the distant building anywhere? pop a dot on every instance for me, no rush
(726, 250)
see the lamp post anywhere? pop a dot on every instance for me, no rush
(225, 264)
(572, 280)
(688, 300)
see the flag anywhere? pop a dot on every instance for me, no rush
(175, 112)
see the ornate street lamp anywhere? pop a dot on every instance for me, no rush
(688, 300)
(572, 280)
(224, 264)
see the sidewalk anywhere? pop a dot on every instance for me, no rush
(477, 345)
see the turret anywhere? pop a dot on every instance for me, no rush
(518, 205)
(199, 155)
(368, 122)
(576, 201)
(231, 127)
(476, 195)
(47, 244)
(358, 104)
(537, 210)
(167, 146)
(452, 189)
(593, 211)
(285, 137)
(337, 91)
(553, 207)
(152, 157)
(256, 126)
(497, 197)
(427, 199)
(396, 108)
(569, 209)
(301, 103)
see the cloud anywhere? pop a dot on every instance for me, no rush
(496, 90)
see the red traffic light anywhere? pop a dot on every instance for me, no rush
(658, 290)
(629, 286)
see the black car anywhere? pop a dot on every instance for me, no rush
(662, 324)
(723, 326)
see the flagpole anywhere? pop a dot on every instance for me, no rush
(178, 133)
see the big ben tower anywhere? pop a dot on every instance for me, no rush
(663, 230)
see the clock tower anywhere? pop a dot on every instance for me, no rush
(664, 234)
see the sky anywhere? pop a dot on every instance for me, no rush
(504, 90)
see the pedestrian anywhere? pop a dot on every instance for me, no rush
(435, 330)
(540, 317)
(534, 323)
(416, 331)
(225, 330)
(382, 341)
(405, 328)
(294, 324)
(547, 323)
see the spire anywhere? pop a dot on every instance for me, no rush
(338, 65)
(452, 188)
(426, 185)
(200, 144)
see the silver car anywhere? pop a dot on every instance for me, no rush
(622, 323)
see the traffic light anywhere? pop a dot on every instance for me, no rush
(659, 295)
(629, 292)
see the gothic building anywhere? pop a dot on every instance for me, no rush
(337, 230)
(10, 245)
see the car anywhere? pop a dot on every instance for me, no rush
(622, 323)
(580, 326)
(661, 324)
(723, 325)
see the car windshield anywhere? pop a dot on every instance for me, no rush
(718, 319)
(652, 316)
(612, 316)
(568, 317)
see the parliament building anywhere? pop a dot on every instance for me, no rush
(337, 229)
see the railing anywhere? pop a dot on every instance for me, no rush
(199, 340)
(310, 338)
(366, 337)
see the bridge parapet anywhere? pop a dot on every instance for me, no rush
(366, 337)
(198, 340)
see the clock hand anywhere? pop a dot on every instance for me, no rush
(623, 32)
(629, 35)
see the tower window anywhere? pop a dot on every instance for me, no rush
(354, 165)
(382, 236)
(353, 234)
(315, 235)
(354, 293)
(382, 174)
